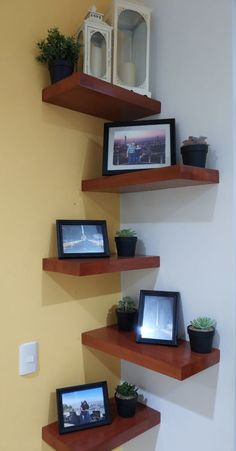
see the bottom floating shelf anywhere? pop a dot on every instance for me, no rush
(103, 438)
(177, 362)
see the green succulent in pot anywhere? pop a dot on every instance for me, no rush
(201, 332)
(126, 396)
(126, 240)
(126, 313)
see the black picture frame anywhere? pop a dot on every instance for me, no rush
(158, 317)
(138, 145)
(82, 238)
(82, 407)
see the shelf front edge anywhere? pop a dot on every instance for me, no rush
(177, 362)
(153, 179)
(86, 267)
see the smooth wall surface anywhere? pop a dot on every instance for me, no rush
(191, 228)
(45, 152)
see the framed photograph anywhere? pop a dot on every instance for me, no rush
(132, 146)
(83, 406)
(158, 317)
(82, 238)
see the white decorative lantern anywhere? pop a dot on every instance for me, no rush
(95, 36)
(131, 43)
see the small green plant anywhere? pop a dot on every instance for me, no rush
(127, 390)
(57, 46)
(127, 304)
(126, 233)
(203, 323)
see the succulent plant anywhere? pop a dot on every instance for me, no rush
(203, 323)
(126, 233)
(126, 390)
(194, 140)
(126, 304)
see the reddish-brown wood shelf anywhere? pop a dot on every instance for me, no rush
(92, 266)
(103, 438)
(177, 362)
(81, 92)
(153, 179)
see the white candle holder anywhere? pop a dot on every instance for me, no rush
(131, 44)
(95, 36)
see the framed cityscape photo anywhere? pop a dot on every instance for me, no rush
(158, 317)
(137, 145)
(82, 406)
(82, 238)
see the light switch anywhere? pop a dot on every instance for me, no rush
(28, 358)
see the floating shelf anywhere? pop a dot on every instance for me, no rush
(87, 94)
(92, 266)
(177, 362)
(103, 438)
(153, 179)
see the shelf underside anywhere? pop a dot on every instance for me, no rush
(103, 438)
(90, 95)
(92, 266)
(177, 362)
(153, 179)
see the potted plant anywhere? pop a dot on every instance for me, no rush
(126, 240)
(201, 332)
(194, 151)
(59, 52)
(126, 396)
(126, 313)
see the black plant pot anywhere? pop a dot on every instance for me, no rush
(126, 407)
(60, 69)
(200, 340)
(126, 320)
(195, 154)
(126, 246)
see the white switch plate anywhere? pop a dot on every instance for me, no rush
(28, 358)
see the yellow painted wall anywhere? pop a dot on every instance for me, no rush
(45, 152)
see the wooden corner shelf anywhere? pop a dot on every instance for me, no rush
(177, 362)
(90, 95)
(153, 179)
(92, 266)
(103, 438)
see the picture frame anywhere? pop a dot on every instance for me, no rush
(82, 407)
(158, 317)
(138, 145)
(82, 238)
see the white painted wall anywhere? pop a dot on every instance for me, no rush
(192, 229)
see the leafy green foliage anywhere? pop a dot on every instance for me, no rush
(126, 389)
(57, 46)
(126, 233)
(203, 322)
(127, 304)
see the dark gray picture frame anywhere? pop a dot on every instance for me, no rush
(158, 317)
(82, 238)
(82, 407)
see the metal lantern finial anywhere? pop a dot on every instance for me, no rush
(95, 35)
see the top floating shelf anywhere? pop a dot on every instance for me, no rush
(152, 179)
(90, 95)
